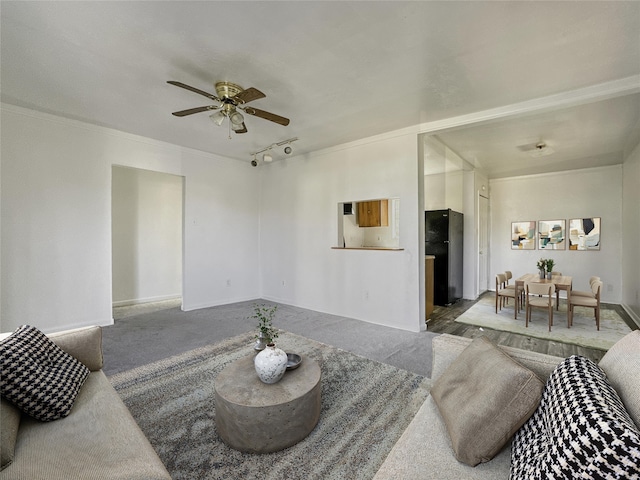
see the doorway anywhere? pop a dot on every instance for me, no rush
(146, 231)
(483, 244)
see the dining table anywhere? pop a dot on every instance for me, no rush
(562, 282)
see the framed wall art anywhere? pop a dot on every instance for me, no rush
(523, 235)
(584, 233)
(551, 234)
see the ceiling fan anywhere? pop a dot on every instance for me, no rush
(230, 98)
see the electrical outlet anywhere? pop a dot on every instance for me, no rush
(284, 284)
(609, 288)
(228, 282)
(366, 294)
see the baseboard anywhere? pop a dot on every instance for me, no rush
(71, 326)
(138, 301)
(634, 316)
(227, 301)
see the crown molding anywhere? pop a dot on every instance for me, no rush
(603, 91)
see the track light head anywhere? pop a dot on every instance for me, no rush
(267, 158)
(288, 150)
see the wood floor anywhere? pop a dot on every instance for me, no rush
(443, 321)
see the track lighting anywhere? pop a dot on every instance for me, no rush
(266, 152)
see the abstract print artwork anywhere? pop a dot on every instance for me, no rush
(584, 233)
(523, 235)
(551, 234)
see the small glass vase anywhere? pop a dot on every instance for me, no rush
(261, 342)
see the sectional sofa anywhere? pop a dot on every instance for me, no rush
(425, 450)
(98, 439)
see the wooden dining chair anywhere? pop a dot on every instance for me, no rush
(586, 293)
(579, 301)
(503, 293)
(513, 286)
(539, 295)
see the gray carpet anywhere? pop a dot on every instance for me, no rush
(143, 334)
(366, 406)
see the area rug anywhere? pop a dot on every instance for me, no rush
(583, 332)
(366, 406)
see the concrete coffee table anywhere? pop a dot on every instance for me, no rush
(252, 416)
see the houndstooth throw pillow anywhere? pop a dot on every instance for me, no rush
(38, 376)
(580, 430)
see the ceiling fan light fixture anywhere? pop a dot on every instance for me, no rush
(217, 118)
(236, 118)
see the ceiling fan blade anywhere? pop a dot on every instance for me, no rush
(191, 111)
(249, 95)
(194, 89)
(243, 129)
(267, 115)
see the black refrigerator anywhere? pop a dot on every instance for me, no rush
(443, 240)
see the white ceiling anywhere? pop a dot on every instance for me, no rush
(341, 71)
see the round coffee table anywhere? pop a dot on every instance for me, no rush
(252, 416)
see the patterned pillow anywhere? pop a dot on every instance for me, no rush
(38, 376)
(580, 430)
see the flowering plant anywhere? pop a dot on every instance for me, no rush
(542, 264)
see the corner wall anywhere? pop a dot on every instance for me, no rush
(299, 225)
(146, 235)
(56, 220)
(631, 235)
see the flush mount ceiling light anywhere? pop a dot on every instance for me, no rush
(538, 149)
(267, 157)
(541, 150)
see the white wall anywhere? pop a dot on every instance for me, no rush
(146, 214)
(444, 190)
(299, 225)
(631, 234)
(595, 192)
(222, 231)
(56, 220)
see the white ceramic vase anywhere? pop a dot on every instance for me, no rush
(271, 363)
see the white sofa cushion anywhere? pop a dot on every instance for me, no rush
(622, 366)
(484, 397)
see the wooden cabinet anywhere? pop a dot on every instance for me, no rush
(428, 285)
(374, 213)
